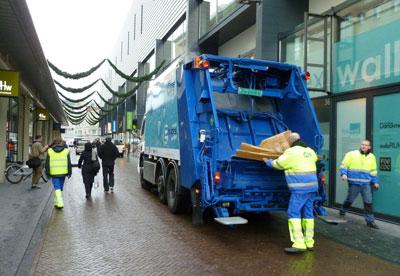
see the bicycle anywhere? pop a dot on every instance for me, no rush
(17, 172)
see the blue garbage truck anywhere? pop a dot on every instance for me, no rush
(198, 114)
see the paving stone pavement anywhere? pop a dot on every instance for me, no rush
(131, 233)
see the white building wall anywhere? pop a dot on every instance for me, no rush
(240, 44)
(158, 18)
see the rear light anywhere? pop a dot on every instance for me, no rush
(323, 179)
(217, 177)
(307, 76)
(199, 63)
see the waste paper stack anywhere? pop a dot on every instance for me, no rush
(270, 148)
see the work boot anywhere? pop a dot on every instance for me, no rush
(294, 250)
(372, 225)
(59, 203)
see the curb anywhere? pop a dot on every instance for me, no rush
(28, 240)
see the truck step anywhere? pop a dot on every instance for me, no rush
(231, 220)
(332, 219)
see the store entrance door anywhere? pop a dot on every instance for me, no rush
(350, 131)
(386, 145)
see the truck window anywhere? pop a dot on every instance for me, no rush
(236, 102)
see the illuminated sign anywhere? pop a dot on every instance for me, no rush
(42, 114)
(9, 83)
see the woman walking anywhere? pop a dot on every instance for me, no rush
(90, 167)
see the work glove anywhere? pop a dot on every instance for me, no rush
(268, 162)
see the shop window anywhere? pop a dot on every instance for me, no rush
(213, 12)
(322, 107)
(12, 129)
(386, 147)
(175, 43)
(366, 51)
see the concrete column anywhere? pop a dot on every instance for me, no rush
(143, 68)
(23, 128)
(50, 131)
(274, 17)
(192, 31)
(45, 127)
(3, 145)
(163, 51)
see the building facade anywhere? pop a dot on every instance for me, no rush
(351, 49)
(33, 107)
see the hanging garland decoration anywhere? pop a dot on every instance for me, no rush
(77, 75)
(76, 90)
(92, 119)
(93, 69)
(75, 107)
(104, 110)
(74, 121)
(90, 123)
(75, 116)
(136, 79)
(75, 112)
(90, 115)
(75, 100)
(95, 111)
(111, 103)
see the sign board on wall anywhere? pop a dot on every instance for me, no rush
(368, 59)
(9, 83)
(129, 117)
(42, 114)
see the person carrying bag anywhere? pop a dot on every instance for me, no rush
(90, 166)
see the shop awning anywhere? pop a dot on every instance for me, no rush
(20, 47)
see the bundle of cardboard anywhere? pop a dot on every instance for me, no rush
(270, 148)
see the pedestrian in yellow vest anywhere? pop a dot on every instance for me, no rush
(299, 164)
(58, 166)
(359, 170)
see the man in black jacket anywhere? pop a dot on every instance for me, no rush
(108, 153)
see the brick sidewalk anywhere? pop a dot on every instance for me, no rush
(23, 216)
(131, 233)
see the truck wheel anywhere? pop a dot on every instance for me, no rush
(177, 196)
(162, 194)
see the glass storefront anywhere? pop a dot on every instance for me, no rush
(367, 52)
(386, 144)
(365, 58)
(322, 108)
(213, 12)
(350, 131)
(12, 130)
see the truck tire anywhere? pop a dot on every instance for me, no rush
(162, 193)
(177, 196)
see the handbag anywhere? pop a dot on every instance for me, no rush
(33, 162)
(95, 167)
